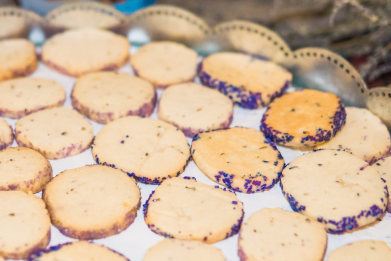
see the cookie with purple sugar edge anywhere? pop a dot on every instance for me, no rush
(383, 166)
(362, 250)
(303, 119)
(241, 159)
(249, 81)
(212, 214)
(6, 134)
(337, 189)
(77, 251)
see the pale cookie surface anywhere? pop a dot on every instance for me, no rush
(23, 96)
(6, 135)
(179, 250)
(383, 166)
(183, 208)
(274, 234)
(77, 251)
(11, 26)
(165, 63)
(364, 250)
(92, 202)
(23, 169)
(80, 51)
(363, 135)
(24, 224)
(303, 119)
(241, 159)
(195, 108)
(151, 150)
(56, 133)
(106, 96)
(336, 188)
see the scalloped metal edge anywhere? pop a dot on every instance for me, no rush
(379, 102)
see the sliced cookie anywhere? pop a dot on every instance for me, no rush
(383, 166)
(248, 80)
(241, 159)
(24, 224)
(106, 96)
(23, 169)
(179, 250)
(183, 208)
(194, 108)
(363, 250)
(80, 51)
(363, 135)
(17, 58)
(6, 135)
(303, 119)
(165, 63)
(275, 234)
(151, 150)
(56, 133)
(336, 188)
(77, 251)
(23, 96)
(92, 202)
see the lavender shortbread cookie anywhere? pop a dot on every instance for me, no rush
(194, 108)
(335, 188)
(383, 166)
(303, 119)
(56, 133)
(363, 250)
(241, 159)
(151, 150)
(6, 135)
(92, 202)
(184, 208)
(248, 80)
(106, 96)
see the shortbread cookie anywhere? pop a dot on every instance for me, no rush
(383, 166)
(11, 26)
(56, 133)
(24, 224)
(23, 169)
(363, 135)
(249, 81)
(179, 250)
(92, 202)
(303, 119)
(151, 150)
(23, 96)
(106, 96)
(17, 58)
(165, 63)
(77, 251)
(241, 159)
(275, 234)
(80, 51)
(6, 135)
(363, 250)
(336, 188)
(194, 108)
(183, 208)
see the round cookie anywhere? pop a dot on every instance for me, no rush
(248, 80)
(383, 166)
(80, 51)
(23, 169)
(165, 63)
(106, 96)
(24, 224)
(179, 250)
(77, 251)
(241, 159)
(17, 58)
(12, 26)
(303, 119)
(363, 250)
(23, 96)
(363, 135)
(56, 133)
(92, 202)
(275, 234)
(183, 208)
(6, 135)
(336, 188)
(194, 108)
(151, 150)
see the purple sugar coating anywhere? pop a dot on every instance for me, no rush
(19, 114)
